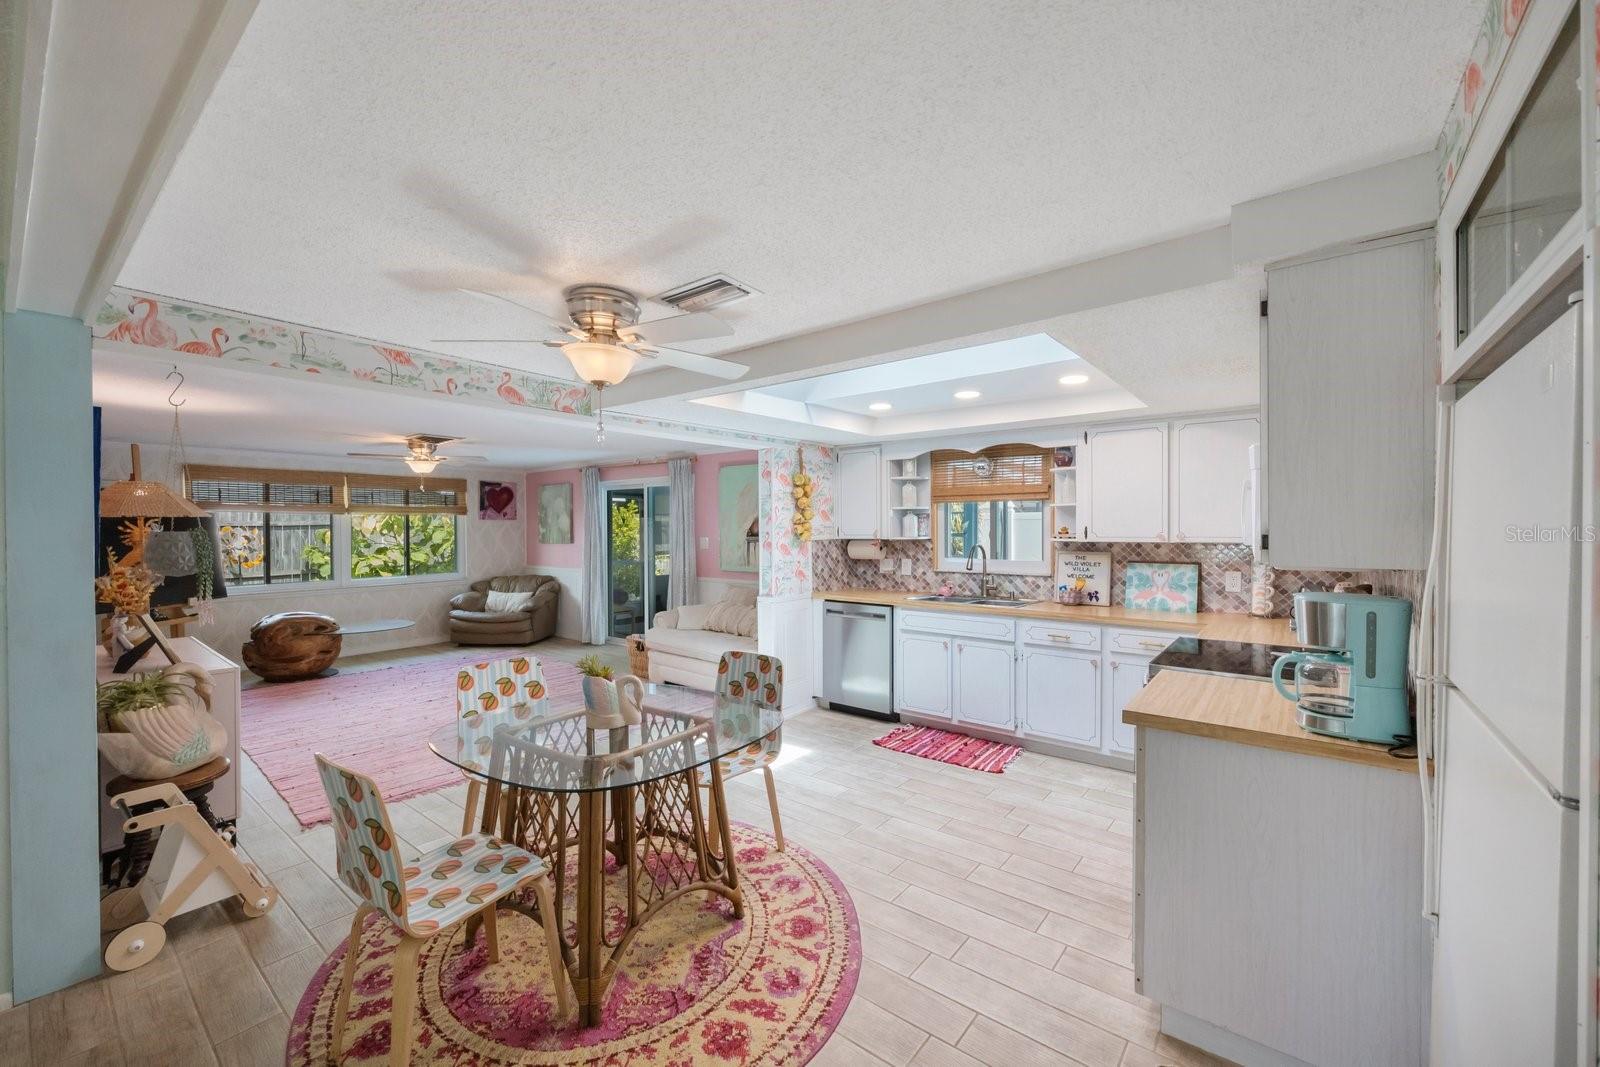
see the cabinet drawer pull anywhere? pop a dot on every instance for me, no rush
(1152, 644)
(1061, 637)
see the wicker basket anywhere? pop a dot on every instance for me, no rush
(638, 657)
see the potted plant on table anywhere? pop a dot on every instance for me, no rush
(610, 701)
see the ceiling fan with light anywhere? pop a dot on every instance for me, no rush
(422, 453)
(604, 339)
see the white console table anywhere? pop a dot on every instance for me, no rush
(224, 673)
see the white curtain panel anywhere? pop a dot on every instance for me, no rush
(596, 598)
(681, 580)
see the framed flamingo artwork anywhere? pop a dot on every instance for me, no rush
(1162, 587)
(497, 500)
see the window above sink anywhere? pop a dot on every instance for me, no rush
(1014, 535)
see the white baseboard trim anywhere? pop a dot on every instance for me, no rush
(5, 1002)
(1225, 1043)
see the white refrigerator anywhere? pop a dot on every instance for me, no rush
(1505, 984)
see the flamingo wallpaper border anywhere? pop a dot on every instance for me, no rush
(153, 321)
(1501, 21)
(149, 320)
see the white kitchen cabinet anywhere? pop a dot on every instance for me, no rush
(922, 663)
(1128, 656)
(858, 493)
(1060, 694)
(1057, 681)
(1348, 396)
(1128, 675)
(1127, 476)
(1210, 478)
(984, 683)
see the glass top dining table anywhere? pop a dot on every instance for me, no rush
(680, 729)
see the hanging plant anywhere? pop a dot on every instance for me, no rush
(205, 561)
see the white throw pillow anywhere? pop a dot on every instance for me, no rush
(500, 603)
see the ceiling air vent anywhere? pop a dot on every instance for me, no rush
(705, 294)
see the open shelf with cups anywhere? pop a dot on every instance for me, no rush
(1066, 523)
(909, 503)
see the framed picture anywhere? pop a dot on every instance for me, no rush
(555, 514)
(1162, 587)
(497, 500)
(1083, 577)
(738, 533)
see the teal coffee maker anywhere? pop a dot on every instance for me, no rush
(1352, 681)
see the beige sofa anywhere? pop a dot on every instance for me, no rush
(684, 651)
(471, 623)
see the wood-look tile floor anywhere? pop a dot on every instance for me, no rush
(995, 913)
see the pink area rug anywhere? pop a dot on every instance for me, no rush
(377, 721)
(928, 742)
(695, 986)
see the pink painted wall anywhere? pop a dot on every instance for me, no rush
(707, 467)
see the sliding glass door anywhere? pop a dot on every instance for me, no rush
(638, 556)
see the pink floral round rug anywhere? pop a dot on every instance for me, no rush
(694, 986)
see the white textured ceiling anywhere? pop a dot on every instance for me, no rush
(358, 160)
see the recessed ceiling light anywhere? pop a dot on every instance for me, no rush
(968, 394)
(1073, 379)
(879, 405)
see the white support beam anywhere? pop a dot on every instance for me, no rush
(210, 44)
(109, 95)
(1180, 263)
(1392, 198)
(27, 48)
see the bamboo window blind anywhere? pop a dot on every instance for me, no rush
(1016, 472)
(265, 489)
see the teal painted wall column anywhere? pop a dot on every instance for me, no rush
(49, 622)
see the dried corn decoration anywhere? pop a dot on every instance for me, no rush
(800, 489)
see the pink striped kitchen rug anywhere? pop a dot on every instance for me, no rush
(929, 742)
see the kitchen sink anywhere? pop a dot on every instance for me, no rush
(984, 601)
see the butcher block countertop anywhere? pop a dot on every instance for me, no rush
(1217, 625)
(1245, 711)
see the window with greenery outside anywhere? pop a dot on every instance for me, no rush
(400, 544)
(626, 545)
(266, 547)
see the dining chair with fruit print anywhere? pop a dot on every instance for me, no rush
(498, 693)
(427, 895)
(746, 682)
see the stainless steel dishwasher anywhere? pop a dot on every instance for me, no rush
(858, 658)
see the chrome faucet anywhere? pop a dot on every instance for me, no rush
(985, 588)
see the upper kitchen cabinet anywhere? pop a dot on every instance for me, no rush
(1348, 377)
(858, 493)
(1127, 484)
(1211, 478)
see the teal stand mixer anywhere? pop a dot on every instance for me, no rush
(1352, 682)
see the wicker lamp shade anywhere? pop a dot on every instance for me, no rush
(145, 500)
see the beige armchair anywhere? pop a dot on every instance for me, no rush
(474, 622)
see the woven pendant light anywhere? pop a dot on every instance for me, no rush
(137, 499)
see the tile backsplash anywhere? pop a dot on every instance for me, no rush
(833, 569)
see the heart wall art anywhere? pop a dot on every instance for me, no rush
(497, 500)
